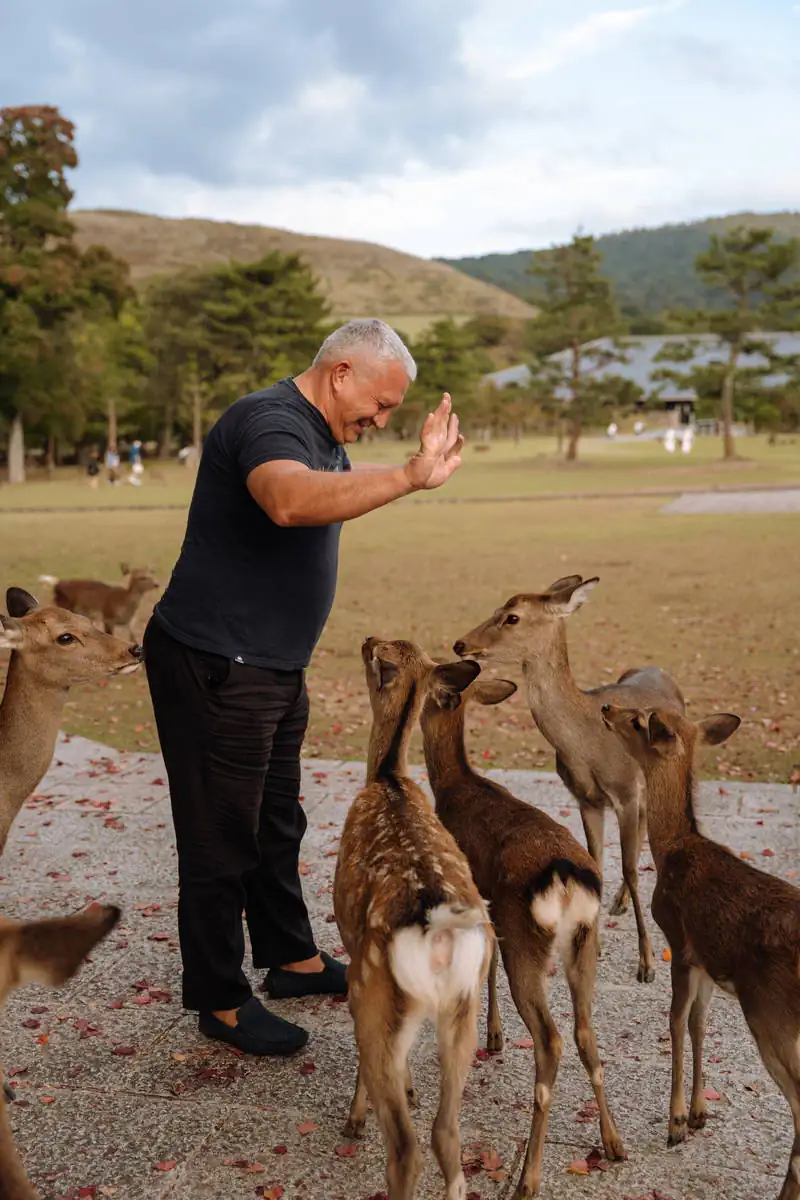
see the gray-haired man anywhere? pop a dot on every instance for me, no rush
(226, 652)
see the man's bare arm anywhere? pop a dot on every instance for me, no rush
(291, 494)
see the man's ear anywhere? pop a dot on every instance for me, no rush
(493, 691)
(19, 602)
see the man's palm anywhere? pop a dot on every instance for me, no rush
(440, 444)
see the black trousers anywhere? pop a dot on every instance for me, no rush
(231, 736)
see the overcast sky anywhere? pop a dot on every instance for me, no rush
(435, 126)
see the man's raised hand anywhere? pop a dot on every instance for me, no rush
(439, 454)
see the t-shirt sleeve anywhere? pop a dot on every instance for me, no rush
(276, 433)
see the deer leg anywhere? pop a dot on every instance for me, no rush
(580, 964)
(494, 1030)
(697, 1028)
(457, 1035)
(623, 897)
(629, 839)
(411, 1091)
(775, 1046)
(358, 1109)
(527, 977)
(594, 820)
(791, 1185)
(684, 988)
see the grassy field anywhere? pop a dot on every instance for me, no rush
(711, 598)
(507, 469)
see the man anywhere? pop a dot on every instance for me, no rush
(226, 652)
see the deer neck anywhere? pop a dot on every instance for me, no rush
(30, 716)
(557, 704)
(388, 740)
(446, 759)
(670, 806)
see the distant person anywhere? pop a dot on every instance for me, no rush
(92, 470)
(227, 648)
(638, 428)
(612, 430)
(112, 464)
(135, 462)
(687, 440)
(669, 441)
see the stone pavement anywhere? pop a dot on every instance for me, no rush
(118, 1095)
(785, 500)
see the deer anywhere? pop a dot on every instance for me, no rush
(726, 922)
(414, 925)
(52, 650)
(543, 891)
(48, 952)
(593, 765)
(109, 607)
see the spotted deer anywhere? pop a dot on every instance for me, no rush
(594, 765)
(543, 890)
(726, 922)
(48, 952)
(414, 924)
(109, 607)
(51, 651)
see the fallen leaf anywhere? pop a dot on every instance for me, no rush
(667, 955)
(124, 1051)
(523, 1043)
(279, 1150)
(307, 1068)
(274, 1193)
(768, 853)
(346, 1151)
(166, 1166)
(47, 1099)
(710, 1094)
(306, 1128)
(579, 1167)
(491, 1160)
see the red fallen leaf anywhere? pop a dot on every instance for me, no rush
(117, 1004)
(487, 754)
(338, 952)
(766, 853)
(491, 1160)
(274, 1193)
(612, 924)
(579, 1167)
(243, 1164)
(307, 1068)
(563, 812)
(158, 994)
(166, 1166)
(31, 1024)
(745, 856)
(482, 1055)
(38, 1009)
(87, 1191)
(307, 1127)
(346, 1151)
(124, 1051)
(158, 783)
(723, 791)
(523, 1043)
(143, 998)
(158, 937)
(279, 1150)
(13, 1072)
(47, 1099)
(710, 1094)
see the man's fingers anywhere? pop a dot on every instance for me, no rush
(456, 448)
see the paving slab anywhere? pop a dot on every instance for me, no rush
(786, 500)
(119, 1095)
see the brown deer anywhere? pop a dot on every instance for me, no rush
(726, 922)
(48, 952)
(415, 927)
(51, 651)
(108, 607)
(543, 891)
(595, 766)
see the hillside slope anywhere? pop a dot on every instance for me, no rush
(359, 278)
(652, 269)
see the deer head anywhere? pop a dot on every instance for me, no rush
(526, 624)
(660, 733)
(142, 579)
(60, 649)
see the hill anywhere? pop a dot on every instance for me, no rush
(359, 278)
(651, 269)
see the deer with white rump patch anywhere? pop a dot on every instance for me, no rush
(543, 891)
(51, 651)
(110, 607)
(598, 770)
(726, 922)
(415, 927)
(48, 952)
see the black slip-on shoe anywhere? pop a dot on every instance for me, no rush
(257, 1031)
(294, 985)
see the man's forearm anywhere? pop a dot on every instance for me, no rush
(325, 497)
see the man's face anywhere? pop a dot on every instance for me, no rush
(364, 393)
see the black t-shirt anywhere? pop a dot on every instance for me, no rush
(244, 587)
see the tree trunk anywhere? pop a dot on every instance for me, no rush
(112, 424)
(51, 455)
(728, 444)
(197, 419)
(16, 451)
(560, 436)
(575, 431)
(165, 441)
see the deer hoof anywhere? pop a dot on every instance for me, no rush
(354, 1130)
(697, 1119)
(645, 974)
(677, 1131)
(412, 1097)
(494, 1041)
(622, 902)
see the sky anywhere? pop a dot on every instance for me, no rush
(439, 127)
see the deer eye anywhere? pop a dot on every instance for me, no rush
(512, 619)
(64, 639)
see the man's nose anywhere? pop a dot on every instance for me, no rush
(380, 420)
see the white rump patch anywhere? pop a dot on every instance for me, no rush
(562, 908)
(438, 965)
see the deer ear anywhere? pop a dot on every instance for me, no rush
(661, 738)
(450, 680)
(11, 632)
(385, 672)
(568, 598)
(718, 728)
(19, 602)
(124, 568)
(51, 951)
(566, 581)
(493, 691)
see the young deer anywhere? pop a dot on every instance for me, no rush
(726, 922)
(52, 650)
(543, 891)
(415, 927)
(594, 765)
(48, 952)
(109, 607)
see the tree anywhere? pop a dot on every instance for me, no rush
(576, 310)
(751, 267)
(448, 360)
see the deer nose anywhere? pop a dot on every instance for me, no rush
(137, 652)
(459, 648)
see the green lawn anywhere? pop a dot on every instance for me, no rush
(711, 598)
